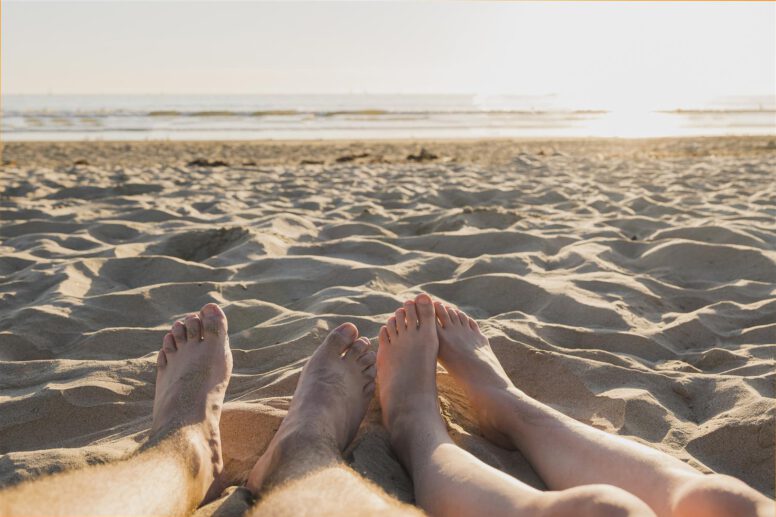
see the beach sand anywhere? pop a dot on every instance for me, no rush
(629, 284)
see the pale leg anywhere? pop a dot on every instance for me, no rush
(447, 479)
(567, 453)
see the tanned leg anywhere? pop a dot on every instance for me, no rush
(447, 479)
(567, 453)
(302, 471)
(170, 474)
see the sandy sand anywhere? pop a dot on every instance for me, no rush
(629, 284)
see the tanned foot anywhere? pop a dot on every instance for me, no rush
(193, 370)
(406, 362)
(466, 354)
(329, 403)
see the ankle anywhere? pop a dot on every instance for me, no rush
(413, 407)
(303, 441)
(500, 411)
(192, 448)
(293, 452)
(415, 431)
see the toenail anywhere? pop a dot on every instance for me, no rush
(347, 330)
(424, 299)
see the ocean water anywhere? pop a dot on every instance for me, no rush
(248, 117)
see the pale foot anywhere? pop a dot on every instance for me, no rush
(326, 411)
(193, 370)
(466, 354)
(406, 362)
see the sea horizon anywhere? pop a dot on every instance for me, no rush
(57, 117)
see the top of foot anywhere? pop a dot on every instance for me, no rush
(329, 403)
(466, 354)
(193, 370)
(406, 364)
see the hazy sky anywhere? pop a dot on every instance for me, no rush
(597, 54)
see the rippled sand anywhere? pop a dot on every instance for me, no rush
(628, 284)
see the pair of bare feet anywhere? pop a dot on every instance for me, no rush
(334, 389)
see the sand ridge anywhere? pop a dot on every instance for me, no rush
(628, 284)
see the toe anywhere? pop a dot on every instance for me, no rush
(193, 328)
(168, 344)
(370, 372)
(341, 337)
(391, 325)
(473, 324)
(369, 388)
(358, 348)
(213, 321)
(179, 333)
(367, 359)
(161, 359)
(401, 319)
(425, 310)
(453, 315)
(382, 337)
(412, 314)
(463, 318)
(441, 314)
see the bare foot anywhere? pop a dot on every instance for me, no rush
(328, 406)
(466, 354)
(193, 370)
(406, 362)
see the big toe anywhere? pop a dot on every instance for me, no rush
(341, 337)
(425, 309)
(213, 321)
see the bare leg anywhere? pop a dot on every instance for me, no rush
(302, 471)
(170, 474)
(567, 453)
(447, 479)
